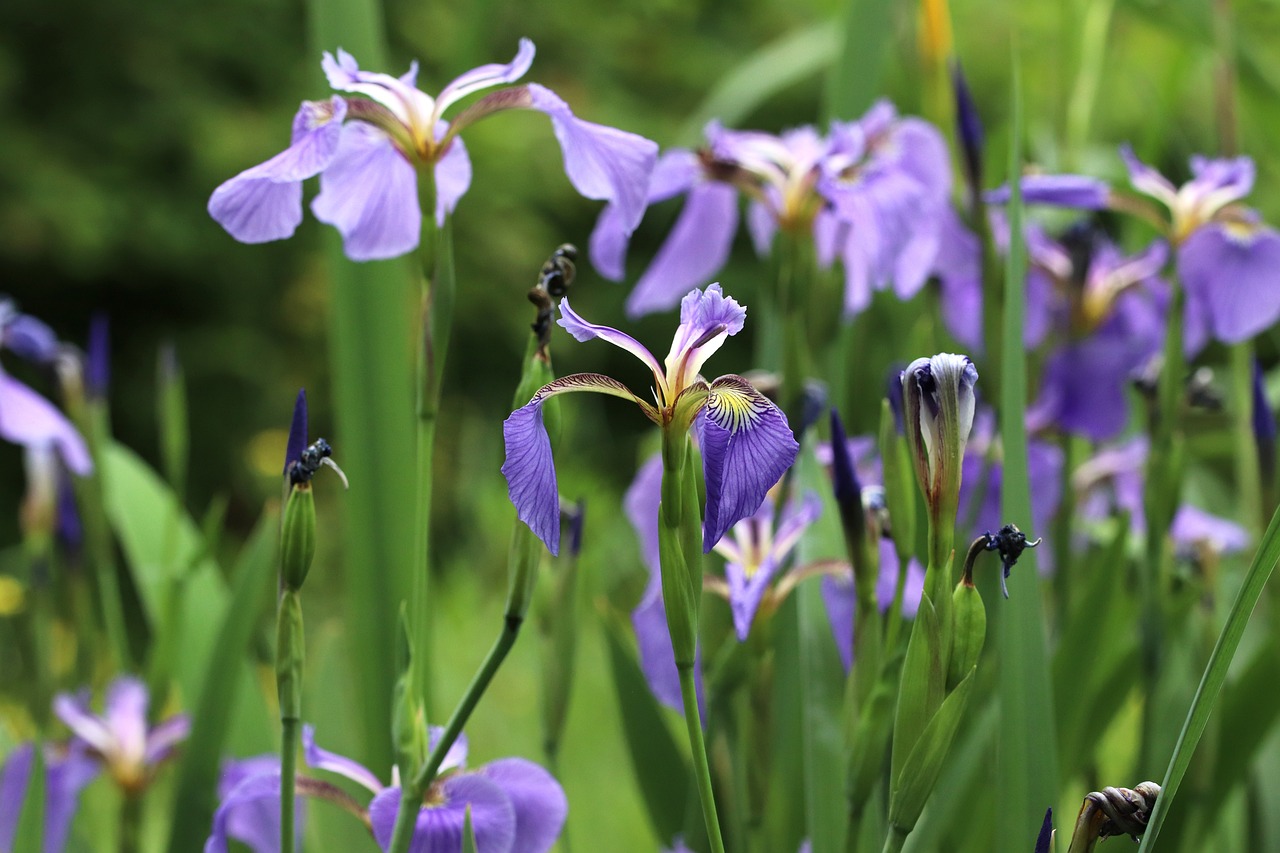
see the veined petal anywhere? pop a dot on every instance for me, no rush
(529, 467)
(322, 759)
(453, 179)
(1229, 269)
(602, 163)
(28, 419)
(484, 77)
(264, 202)
(370, 194)
(746, 446)
(439, 827)
(693, 252)
(583, 331)
(537, 799)
(707, 319)
(398, 94)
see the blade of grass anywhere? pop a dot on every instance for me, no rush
(1026, 769)
(1214, 676)
(854, 80)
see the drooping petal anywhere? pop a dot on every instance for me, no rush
(322, 759)
(162, 739)
(264, 202)
(608, 245)
(370, 194)
(653, 638)
(583, 331)
(707, 319)
(840, 599)
(83, 723)
(693, 252)
(602, 163)
(641, 504)
(453, 178)
(537, 798)
(1146, 179)
(28, 337)
(1083, 390)
(529, 468)
(1232, 270)
(30, 420)
(484, 77)
(1075, 191)
(249, 811)
(439, 827)
(14, 776)
(745, 592)
(746, 446)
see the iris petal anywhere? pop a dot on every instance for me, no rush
(439, 828)
(1230, 270)
(322, 759)
(537, 799)
(28, 419)
(370, 194)
(746, 446)
(492, 74)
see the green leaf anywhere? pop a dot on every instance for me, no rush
(1025, 769)
(854, 80)
(27, 838)
(920, 693)
(1215, 673)
(924, 764)
(662, 772)
(213, 710)
(468, 833)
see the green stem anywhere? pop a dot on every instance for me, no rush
(701, 768)
(411, 793)
(288, 772)
(130, 822)
(894, 841)
(1248, 471)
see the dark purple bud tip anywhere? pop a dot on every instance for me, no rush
(968, 127)
(1264, 421)
(577, 516)
(297, 431)
(812, 404)
(97, 370)
(894, 393)
(1045, 840)
(848, 490)
(1010, 542)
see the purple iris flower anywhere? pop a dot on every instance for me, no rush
(26, 418)
(515, 805)
(649, 619)
(66, 771)
(130, 750)
(869, 193)
(1196, 532)
(368, 150)
(745, 441)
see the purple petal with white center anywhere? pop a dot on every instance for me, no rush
(322, 759)
(162, 739)
(1193, 528)
(707, 319)
(1076, 191)
(1217, 182)
(439, 827)
(693, 252)
(125, 713)
(486, 76)
(456, 757)
(745, 592)
(264, 202)
(746, 446)
(83, 723)
(584, 331)
(249, 811)
(249, 806)
(1146, 179)
(453, 177)
(398, 94)
(537, 798)
(529, 467)
(370, 194)
(602, 163)
(1231, 269)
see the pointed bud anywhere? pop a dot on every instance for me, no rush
(1264, 426)
(297, 431)
(938, 402)
(97, 366)
(968, 130)
(297, 537)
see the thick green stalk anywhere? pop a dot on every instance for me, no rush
(701, 768)
(411, 793)
(895, 839)
(289, 662)
(1248, 471)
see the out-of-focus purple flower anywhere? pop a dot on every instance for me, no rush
(30, 420)
(1111, 482)
(247, 810)
(129, 749)
(1076, 191)
(97, 363)
(67, 770)
(1264, 425)
(868, 193)
(968, 128)
(25, 336)
(840, 597)
(979, 508)
(1195, 532)
(368, 149)
(515, 805)
(745, 441)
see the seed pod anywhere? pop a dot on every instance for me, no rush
(297, 537)
(969, 632)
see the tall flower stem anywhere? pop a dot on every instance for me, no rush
(130, 822)
(1248, 470)
(411, 792)
(701, 767)
(289, 661)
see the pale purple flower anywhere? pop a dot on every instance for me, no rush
(840, 597)
(869, 194)
(129, 748)
(1195, 532)
(67, 769)
(26, 336)
(368, 145)
(515, 805)
(745, 441)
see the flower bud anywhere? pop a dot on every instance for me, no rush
(297, 537)
(938, 402)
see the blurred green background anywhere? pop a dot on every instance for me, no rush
(120, 119)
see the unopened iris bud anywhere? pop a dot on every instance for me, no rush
(969, 130)
(297, 537)
(1264, 426)
(938, 406)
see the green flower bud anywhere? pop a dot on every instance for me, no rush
(297, 537)
(969, 631)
